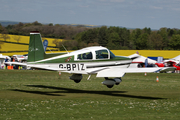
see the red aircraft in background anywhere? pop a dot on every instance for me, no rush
(168, 63)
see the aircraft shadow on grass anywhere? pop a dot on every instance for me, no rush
(70, 90)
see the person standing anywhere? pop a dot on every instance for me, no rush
(6, 60)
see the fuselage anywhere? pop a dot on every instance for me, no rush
(84, 60)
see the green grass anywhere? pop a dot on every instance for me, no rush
(41, 95)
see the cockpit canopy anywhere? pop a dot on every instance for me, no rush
(94, 53)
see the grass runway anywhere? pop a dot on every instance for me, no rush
(44, 95)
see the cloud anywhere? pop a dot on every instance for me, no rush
(156, 7)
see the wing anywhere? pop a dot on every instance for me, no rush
(119, 72)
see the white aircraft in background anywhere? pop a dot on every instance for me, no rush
(91, 60)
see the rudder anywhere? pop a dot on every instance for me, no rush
(36, 50)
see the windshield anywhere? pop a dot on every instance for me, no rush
(111, 55)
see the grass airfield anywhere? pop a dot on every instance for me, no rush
(44, 95)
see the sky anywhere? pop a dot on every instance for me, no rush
(153, 14)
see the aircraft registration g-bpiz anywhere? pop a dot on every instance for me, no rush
(91, 60)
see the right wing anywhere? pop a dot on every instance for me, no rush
(119, 72)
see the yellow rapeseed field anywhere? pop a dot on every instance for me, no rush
(25, 39)
(18, 47)
(13, 47)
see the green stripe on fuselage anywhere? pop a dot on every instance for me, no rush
(52, 55)
(70, 59)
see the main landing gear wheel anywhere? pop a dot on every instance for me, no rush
(111, 82)
(109, 86)
(117, 83)
(77, 81)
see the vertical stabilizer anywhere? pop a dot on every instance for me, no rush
(36, 50)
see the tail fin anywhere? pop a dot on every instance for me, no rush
(36, 50)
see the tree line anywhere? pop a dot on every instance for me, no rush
(112, 37)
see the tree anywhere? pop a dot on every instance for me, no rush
(102, 36)
(175, 42)
(56, 42)
(36, 23)
(1, 28)
(124, 35)
(155, 41)
(93, 44)
(89, 36)
(147, 30)
(50, 24)
(141, 42)
(4, 35)
(135, 34)
(114, 41)
(171, 32)
(17, 38)
(69, 45)
(164, 35)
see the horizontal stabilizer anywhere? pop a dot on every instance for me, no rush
(46, 67)
(16, 63)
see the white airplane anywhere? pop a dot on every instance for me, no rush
(2, 60)
(91, 60)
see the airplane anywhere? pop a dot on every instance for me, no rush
(173, 62)
(141, 61)
(2, 60)
(169, 63)
(90, 60)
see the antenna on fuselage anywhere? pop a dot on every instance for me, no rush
(65, 49)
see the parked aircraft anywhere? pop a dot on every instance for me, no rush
(91, 60)
(169, 63)
(173, 62)
(2, 60)
(141, 61)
